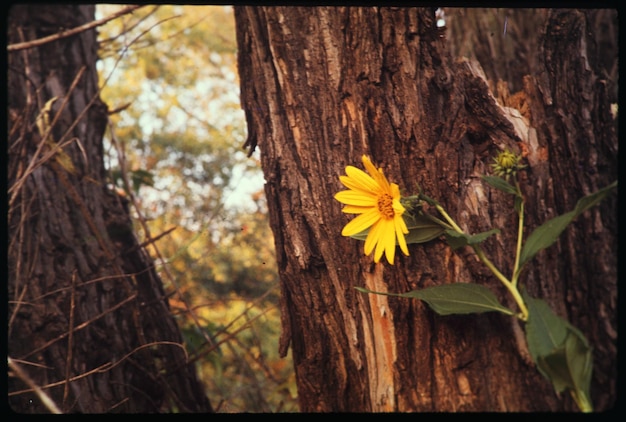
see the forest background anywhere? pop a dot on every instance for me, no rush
(170, 74)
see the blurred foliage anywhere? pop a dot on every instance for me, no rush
(170, 77)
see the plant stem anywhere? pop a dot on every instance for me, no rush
(438, 221)
(520, 233)
(448, 219)
(582, 401)
(508, 284)
(481, 255)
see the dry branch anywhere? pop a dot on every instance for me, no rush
(73, 31)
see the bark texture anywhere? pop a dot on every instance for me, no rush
(322, 86)
(88, 320)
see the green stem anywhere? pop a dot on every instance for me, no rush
(438, 221)
(449, 219)
(584, 404)
(520, 233)
(481, 255)
(508, 284)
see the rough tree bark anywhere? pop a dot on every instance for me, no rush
(88, 320)
(322, 86)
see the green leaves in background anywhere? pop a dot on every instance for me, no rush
(456, 298)
(559, 350)
(546, 234)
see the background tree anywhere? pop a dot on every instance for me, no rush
(89, 324)
(171, 73)
(322, 86)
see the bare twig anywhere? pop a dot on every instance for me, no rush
(141, 34)
(100, 369)
(45, 399)
(70, 343)
(154, 239)
(123, 171)
(81, 326)
(82, 285)
(73, 31)
(126, 29)
(13, 190)
(214, 346)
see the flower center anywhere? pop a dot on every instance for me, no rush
(385, 206)
(507, 160)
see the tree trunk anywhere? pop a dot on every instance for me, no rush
(322, 86)
(88, 321)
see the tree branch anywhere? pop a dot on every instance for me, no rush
(70, 32)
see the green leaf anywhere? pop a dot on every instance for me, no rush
(500, 184)
(592, 199)
(421, 228)
(560, 351)
(580, 362)
(570, 364)
(546, 234)
(456, 298)
(457, 240)
(544, 329)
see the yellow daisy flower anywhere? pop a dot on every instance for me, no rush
(378, 203)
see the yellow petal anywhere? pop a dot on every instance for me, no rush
(358, 179)
(354, 209)
(395, 190)
(376, 174)
(386, 242)
(390, 242)
(398, 208)
(400, 231)
(361, 222)
(353, 184)
(373, 237)
(361, 199)
(400, 222)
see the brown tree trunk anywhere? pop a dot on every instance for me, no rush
(322, 86)
(88, 321)
(504, 41)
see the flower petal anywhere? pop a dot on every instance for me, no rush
(386, 242)
(358, 179)
(390, 250)
(373, 238)
(361, 222)
(401, 230)
(398, 208)
(367, 193)
(355, 209)
(361, 199)
(352, 184)
(377, 174)
(395, 190)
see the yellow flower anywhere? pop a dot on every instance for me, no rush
(506, 163)
(378, 203)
